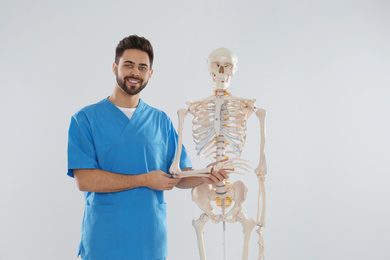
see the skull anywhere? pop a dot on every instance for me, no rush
(222, 65)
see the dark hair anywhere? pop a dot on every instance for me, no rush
(134, 42)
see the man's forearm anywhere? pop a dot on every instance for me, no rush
(214, 178)
(190, 182)
(95, 180)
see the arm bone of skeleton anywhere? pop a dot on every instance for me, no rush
(261, 170)
(175, 167)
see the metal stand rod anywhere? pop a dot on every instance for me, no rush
(224, 231)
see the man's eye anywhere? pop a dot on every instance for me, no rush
(142, 68)
(129, 66)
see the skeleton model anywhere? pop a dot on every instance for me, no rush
(219, 129)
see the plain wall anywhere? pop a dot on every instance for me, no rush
(320, 68)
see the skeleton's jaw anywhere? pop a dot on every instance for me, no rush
(221, 83)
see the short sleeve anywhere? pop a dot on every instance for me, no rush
(81, 149)
(172, 149)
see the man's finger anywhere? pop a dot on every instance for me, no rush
(174, 181)
(224, 174)
(167, 175)
(214, 179)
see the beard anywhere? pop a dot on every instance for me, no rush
(131, 90)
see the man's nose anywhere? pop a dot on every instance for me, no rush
(221, 70)
(135, 71)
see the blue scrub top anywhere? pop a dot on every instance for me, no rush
(129, 224)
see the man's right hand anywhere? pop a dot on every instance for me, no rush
(159, 180)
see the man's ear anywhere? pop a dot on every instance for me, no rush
(150, 73)
(115, 68)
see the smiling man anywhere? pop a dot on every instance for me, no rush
(138, 80)
(119, 152)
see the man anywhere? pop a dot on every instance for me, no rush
(119, 153)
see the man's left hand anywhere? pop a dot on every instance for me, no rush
(216, 176)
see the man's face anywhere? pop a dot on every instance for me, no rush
(133, 71)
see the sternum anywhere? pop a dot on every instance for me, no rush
(217, 116)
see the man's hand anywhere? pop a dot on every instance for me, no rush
(216, 176)
(159, 180)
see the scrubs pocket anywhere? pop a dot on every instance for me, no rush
(100, 228)
(143, 231)
(161, 211)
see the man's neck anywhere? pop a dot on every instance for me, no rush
(121, 99)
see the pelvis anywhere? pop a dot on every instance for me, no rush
(205, 194)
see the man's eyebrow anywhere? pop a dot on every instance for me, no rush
(131, 62)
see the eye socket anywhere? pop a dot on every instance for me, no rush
(229, 66)
(217, 65)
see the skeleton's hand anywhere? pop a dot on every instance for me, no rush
(216, 175)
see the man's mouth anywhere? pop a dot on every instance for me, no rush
(133, 80)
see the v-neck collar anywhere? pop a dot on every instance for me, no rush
(122, 116)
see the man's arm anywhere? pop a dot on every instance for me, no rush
(95, 180)
(190, 182)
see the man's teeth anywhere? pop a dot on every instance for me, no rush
(133, 81)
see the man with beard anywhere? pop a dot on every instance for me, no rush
(119, 152)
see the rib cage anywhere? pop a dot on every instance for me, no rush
(232, 127)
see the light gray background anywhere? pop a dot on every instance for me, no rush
(320, 68)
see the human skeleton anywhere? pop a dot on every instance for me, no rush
(219, 128)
